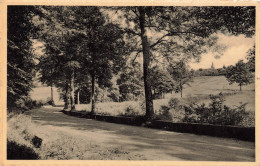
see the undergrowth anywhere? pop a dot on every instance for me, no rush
(22, 133)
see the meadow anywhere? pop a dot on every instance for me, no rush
(199, 90)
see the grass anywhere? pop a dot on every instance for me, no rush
(21, 131)
(200, 89)
(112, 108)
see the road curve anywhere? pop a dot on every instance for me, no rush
(152, 143)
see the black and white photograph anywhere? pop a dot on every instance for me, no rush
(138, 83)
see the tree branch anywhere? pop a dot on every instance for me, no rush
(131, 32)
(160, 40)
(137, 53)
(173, 34)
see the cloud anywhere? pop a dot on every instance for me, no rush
(237, 47)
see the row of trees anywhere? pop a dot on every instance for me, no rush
(250, 65)
(87, 46)
(76, 39)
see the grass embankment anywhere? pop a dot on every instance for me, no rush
(26, 141)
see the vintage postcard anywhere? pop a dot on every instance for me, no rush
(129, 82)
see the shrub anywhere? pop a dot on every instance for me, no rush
(175, 104)
(131, 111)
(49, 101)
(215, 113)
(63, 149)
(249, 120)
(164, 113)
(20, 152)
(142, 104)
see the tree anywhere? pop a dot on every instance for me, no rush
(20, 56)
(181, 75)
(79, 36)
(181, 29)
(103, 58)
(239, 74)
(161, 82)
(251, 59)
(130, 82)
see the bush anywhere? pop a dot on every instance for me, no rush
(49, 101)
(164, 113)
(142, 104)
(175, 104)
(24, 104)
(131, 111)
(20, 152)
(249, 120)
(215, 113)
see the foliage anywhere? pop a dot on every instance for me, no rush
(251, 59)
(16, 151)
(172, 111)
(161, 82)
(210, 72)
(130, 82)
(175, 103)
(114, 94)
(77, 52)
(131, 111)
(181, 75)
(215, 113)
(180, 31)
(164, 113)
(20, 56)
(239, 74)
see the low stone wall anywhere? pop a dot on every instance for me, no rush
(242, 133)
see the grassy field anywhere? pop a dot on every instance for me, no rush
(200, 89)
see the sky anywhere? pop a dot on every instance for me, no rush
(237, 47)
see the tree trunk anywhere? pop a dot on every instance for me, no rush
(92, 94)
(66, 97)
(52, 100)
(146, 61)
(72, 92)
(181, 90)
(78, 98)
(240, 87)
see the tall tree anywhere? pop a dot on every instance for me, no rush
(239, 74)
(181, 75)
(104, 58)
(177, 29)
(20, 56)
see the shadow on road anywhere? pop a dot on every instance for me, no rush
(158, 144)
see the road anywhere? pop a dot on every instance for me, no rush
(152, 143)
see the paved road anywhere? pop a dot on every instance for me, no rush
(152, 143)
